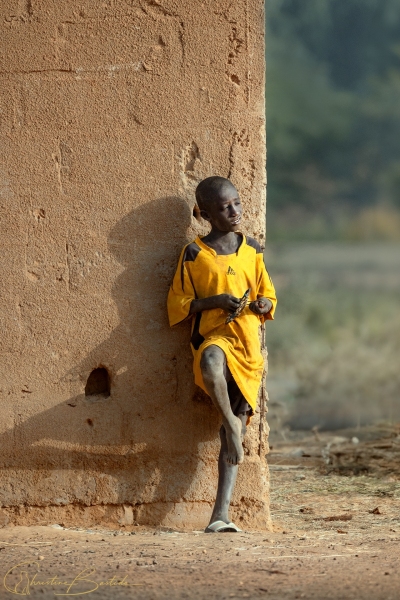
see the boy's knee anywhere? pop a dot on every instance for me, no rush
(212, 360)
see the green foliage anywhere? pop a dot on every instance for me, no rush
(333, 108)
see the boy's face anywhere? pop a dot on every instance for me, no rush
(224, 212)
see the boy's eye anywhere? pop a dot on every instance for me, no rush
(234, 203)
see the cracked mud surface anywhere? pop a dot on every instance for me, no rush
(335, 537)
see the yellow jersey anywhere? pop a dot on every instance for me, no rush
(202, 273)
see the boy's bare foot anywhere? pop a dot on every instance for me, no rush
(235, 454)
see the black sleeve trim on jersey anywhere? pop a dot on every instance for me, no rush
(190, 254)
(197, 339)
(254, 244)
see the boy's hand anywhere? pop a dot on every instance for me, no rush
(227, 302)
(261, 306)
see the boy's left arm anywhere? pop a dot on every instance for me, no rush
(266, 301)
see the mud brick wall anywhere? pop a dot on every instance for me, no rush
(110, 113)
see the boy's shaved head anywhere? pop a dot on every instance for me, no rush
(210, 189)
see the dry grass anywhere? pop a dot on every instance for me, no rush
(375, 223)
(379, 223)
(335, 345)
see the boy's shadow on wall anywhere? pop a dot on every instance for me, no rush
(139, 445)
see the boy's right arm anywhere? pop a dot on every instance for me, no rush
(182, 301)
(225, 301)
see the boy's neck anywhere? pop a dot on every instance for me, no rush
(223, 242)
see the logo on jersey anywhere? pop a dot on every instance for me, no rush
(230, 271)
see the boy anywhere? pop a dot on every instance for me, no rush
(213, 274)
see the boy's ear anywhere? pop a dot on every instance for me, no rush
(205, 215)
(197, 213)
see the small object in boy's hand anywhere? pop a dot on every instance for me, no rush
(242, 305)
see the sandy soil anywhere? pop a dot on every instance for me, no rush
(335, 537)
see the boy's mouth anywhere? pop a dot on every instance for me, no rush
(236, 221)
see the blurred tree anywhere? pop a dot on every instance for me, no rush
(333, 105)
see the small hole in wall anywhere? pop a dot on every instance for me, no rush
(89, 422)
(98, 383)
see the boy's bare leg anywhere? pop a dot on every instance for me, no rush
(227, 474)
(214, 371)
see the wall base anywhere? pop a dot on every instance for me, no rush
(183, 516)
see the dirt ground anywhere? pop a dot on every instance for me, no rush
(335, 536)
